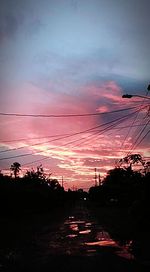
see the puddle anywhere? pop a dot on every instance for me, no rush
(102, 243)
(85, 231)
(88, 224)
(104, 240)
(103, 235)
(72, 235)
(74, 227)
(125, 255)
(85, 238)
(68, 222)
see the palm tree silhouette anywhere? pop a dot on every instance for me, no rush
(15, 167)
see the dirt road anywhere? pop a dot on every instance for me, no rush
(78, 243)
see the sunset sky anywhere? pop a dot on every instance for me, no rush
(64, 57)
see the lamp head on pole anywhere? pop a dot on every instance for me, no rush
(127, 96)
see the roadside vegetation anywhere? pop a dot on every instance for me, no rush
(121, 202)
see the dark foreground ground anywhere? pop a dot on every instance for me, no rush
(80, 238)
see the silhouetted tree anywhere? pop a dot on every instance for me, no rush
(40, 172)
(36, 175)
(31, 174)
(147, 167)
(1, 174)
(132, 159)
(121, 184)
(116, 176)
(54, 184)
(15, 167)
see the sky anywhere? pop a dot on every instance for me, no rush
(73, 57)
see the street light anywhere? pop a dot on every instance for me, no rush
(136, 95)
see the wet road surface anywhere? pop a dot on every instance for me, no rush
(78, 243)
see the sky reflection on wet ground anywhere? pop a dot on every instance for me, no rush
(79, 235)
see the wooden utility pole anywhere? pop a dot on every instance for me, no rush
(99, 179)
(95, 178)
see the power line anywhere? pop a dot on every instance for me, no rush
(63, 115)
(124, 127)
(130, 128)
(39, 160)
(142, 138)
(61, 138)
(35, 161)
(78, 133)
(112, 126)
(134, 120)
(17, 156)
(53, 136)
(64, 137)
(138, 137)
(34, 138)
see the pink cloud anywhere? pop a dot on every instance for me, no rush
(103, 109)
(75, 161)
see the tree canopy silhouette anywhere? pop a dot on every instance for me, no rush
(131, 159)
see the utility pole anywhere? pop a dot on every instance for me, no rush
(95, 177)
(99, 179)
(62, 182)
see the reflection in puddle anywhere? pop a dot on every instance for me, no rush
(120, 251)
(88, 224)
(71, 235)
(103, 235)
(125, 251)
(85, 231)
(125, 254)
(102, 243)
(67, 222)
(74, 227)
(87, 238)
